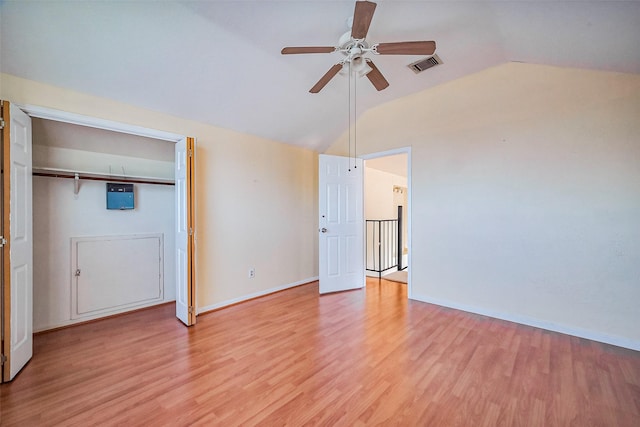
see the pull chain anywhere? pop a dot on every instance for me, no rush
(355, 121)
(349, 98)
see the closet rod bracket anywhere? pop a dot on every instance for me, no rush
(76, 184)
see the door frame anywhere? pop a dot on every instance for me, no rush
(46, 113)
(94, 122)
(395, 151)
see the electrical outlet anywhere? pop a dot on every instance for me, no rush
(252, 273)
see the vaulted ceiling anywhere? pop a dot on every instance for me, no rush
(219, 62)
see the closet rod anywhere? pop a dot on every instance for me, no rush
(99, 178)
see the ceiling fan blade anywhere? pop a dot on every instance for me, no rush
(406, 48)
(362, 16)
(375, 77)
(325, 79)
(307, 49)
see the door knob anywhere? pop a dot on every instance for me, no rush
(324, 230)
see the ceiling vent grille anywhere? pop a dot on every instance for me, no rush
(425, 64)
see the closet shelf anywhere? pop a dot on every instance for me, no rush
(66, 173)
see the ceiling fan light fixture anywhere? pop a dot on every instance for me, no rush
(366, 70)
(358, 66)
(361, 68)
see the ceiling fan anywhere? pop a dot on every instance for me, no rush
(354, 46)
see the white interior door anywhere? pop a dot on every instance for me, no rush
(341, 223)
(185, 289)
(20, 243)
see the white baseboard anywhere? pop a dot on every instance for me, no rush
(71, 322)
(537, 323)
(201, 310)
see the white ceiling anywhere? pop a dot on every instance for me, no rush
(219, 62)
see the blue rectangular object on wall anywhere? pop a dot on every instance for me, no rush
(119, 196)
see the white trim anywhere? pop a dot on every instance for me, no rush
(407, 151)
(202, 310)
(536, 323)
(94, 122)
(87, 319)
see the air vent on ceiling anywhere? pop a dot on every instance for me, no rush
(425, 64)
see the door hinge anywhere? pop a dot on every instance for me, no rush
(1, 124)
(191, 310)
(3, 359)
(190, 152)
(3, 241)
(190, 231)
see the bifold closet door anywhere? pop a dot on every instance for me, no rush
(17, 313)
(185, 231)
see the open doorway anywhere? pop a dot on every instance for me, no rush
(387, 210)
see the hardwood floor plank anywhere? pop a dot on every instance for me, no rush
(367, 357)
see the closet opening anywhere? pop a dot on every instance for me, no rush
(90, 261)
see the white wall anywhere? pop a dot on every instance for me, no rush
(380, 200)
(67, 146)
(59, 215)
(525, 195)
(101, 163)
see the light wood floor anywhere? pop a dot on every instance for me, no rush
(293, 358)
